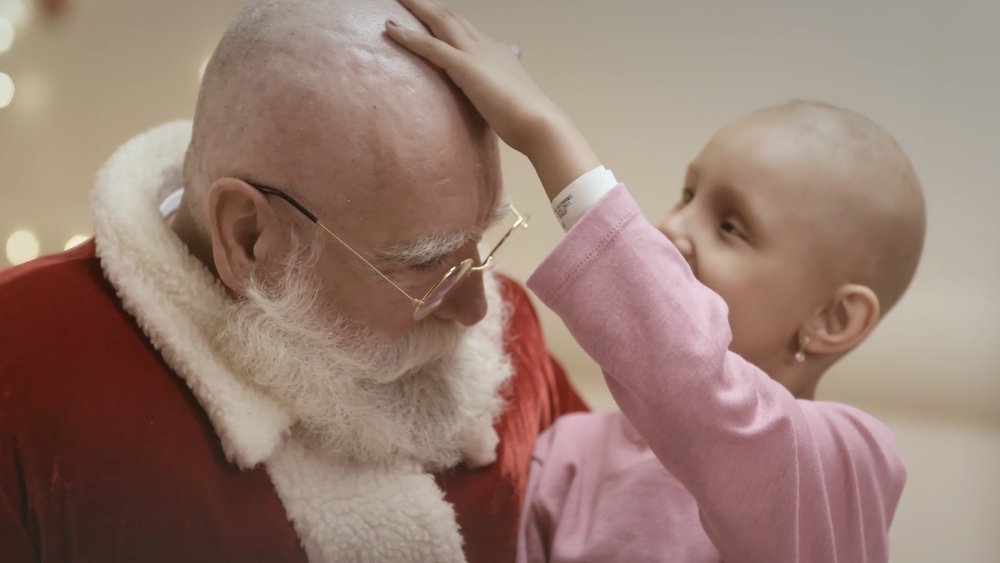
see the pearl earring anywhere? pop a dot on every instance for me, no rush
(800, 356)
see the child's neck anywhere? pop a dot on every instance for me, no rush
(801, 380)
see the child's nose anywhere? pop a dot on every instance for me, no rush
(673, 227)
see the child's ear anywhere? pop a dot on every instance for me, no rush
(844, 321)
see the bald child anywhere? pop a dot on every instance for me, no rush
(798, 227)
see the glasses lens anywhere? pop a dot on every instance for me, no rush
(436, 296)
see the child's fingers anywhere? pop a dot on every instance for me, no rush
(443, 23)
(434, 50)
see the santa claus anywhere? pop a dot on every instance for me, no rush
(284, 342)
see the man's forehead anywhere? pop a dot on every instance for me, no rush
(447, 241)
(388, 158)
(398, 206)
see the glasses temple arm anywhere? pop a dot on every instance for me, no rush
(416, 302)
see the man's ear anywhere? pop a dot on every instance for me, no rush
(243, 227)
(844, 321)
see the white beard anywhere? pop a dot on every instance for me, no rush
(430, 397)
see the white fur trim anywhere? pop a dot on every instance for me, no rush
(176, 301)
(344, 512)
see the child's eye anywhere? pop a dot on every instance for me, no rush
(730, 228)
(687, 194)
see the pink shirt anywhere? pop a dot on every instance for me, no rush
(710, 459)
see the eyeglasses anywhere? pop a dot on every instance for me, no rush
(437, 294)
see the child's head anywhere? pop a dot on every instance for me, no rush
(809, 221)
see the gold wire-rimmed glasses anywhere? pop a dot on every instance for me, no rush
(437, 294)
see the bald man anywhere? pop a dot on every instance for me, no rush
(283, 343)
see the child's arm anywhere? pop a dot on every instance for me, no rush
(492, 77)
(775, 479)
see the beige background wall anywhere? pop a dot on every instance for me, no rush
(648, 81)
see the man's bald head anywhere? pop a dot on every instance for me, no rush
(864, 199)
(310, 97)
(309, 92)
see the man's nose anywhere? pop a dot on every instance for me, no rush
(466, 304)
(675, 228)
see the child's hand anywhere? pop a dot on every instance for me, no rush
(492, 77)
(489, 72)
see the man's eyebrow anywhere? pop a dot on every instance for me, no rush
(424, 249)
(428, 248)
(498, 213)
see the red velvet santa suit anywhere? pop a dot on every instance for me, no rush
(123, 437)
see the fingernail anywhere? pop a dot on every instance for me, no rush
(392, 22)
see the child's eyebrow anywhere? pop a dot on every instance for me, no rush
(690, 174)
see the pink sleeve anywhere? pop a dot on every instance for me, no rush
(533, 525)
(775, 478)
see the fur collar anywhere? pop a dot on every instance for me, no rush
(176, 301)
(341, 512)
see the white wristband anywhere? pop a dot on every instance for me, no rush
(581, 194)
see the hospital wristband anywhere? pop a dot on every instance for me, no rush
(582, 194)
